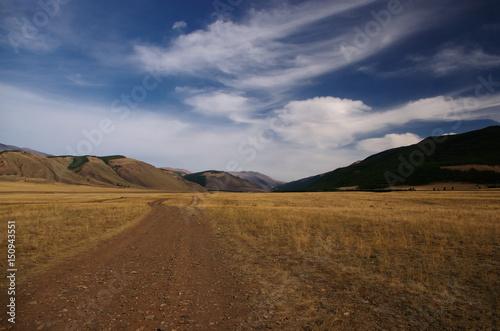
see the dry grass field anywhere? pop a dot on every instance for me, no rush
(54, 221)
(401, 260)
(344, 260)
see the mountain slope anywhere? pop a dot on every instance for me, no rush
(15, 148)
(90, 170)
(298, 185)
(178, 172)
(146, 175)
(222, 181)
(263, 181)
(423, 163)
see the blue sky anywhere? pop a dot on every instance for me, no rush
(287, 88)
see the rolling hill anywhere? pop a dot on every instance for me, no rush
(90, 170)
(263, 181)
(223, 181)
(433, 160)
(214, 182)
(298, 185)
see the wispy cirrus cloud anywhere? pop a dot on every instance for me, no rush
(220, 104)
(31, 40)
(268, 51)
(80, 80)
(454, 58)
(179, 25)
(449, 59)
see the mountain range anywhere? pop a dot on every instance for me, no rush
(120, 171)
(224, 181)
(472, 157)
(115, 170)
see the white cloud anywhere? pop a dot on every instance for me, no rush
(220, 104)
(179, 25)
(329, 122)
(389, 141)
(324, 122)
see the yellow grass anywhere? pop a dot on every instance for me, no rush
(367, 260)
(57, 221)
(345, 260)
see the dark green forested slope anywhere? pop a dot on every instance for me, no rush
(417, 164)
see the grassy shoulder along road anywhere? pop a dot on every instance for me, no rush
(401, 260)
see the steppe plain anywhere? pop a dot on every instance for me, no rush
(117, 258)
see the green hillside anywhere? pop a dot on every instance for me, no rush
(222, 181)
(419, 164)
(200, 178)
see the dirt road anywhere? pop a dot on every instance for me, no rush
(167, 273)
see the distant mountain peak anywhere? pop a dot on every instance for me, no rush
(4, 147)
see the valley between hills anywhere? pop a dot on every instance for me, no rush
(466, 161)
(114, 243)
